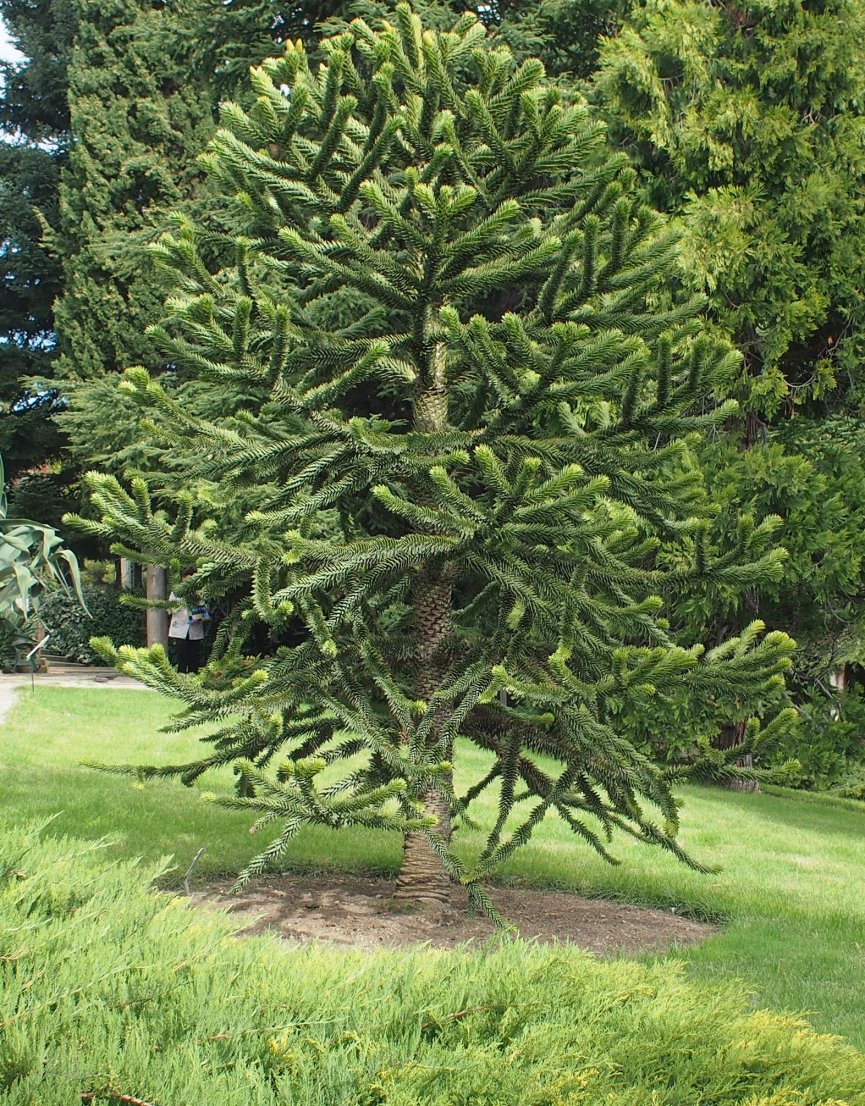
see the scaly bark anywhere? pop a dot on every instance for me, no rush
(422, 876)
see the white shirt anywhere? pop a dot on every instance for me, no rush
(183, 626)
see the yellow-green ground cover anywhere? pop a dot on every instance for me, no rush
(106, 989)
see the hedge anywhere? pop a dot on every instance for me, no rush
(71, 629)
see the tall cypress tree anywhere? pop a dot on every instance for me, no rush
(138, 121)
(482, 471)
(34, 135)
(138, 117)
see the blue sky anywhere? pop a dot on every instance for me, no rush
(7, 50)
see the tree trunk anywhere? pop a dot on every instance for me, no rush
(732, 734)
(422, 876)
(157, 620)
(728, 737)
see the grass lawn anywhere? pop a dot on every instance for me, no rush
(791, 888)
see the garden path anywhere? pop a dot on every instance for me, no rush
(7, 698)
(89, 678)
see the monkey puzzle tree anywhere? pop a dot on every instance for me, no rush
(475, 420)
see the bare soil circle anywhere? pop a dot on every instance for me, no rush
(359, 911)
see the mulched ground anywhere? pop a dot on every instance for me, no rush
(359, 911)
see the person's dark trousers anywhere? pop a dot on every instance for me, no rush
(187, 653)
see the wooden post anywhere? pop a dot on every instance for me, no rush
(127, 574)
(157, 621)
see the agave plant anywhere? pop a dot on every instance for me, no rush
(32, 559)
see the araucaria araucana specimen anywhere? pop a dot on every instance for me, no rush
(474, 417)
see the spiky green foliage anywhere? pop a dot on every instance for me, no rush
(482, 476)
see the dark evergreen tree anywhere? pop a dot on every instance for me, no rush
(241, 33)
(30, 280)
(34, 101)
(564, 34)
(482, 477)
(34, 125)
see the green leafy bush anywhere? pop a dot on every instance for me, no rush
(827, 741)
(851, 783)
(33, 562)
(105, 987)
(71, 629)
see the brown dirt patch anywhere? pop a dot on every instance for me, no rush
(359, 911)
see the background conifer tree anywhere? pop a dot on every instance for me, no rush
(475, 423)
(240, 33)
(34, 138)
(138, 117)
(745, 122)
(138, 122)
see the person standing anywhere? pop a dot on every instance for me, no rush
(186, 633)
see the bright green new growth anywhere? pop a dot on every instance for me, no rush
(474, 417)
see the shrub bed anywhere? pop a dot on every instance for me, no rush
(71, 629)
(107, 987)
